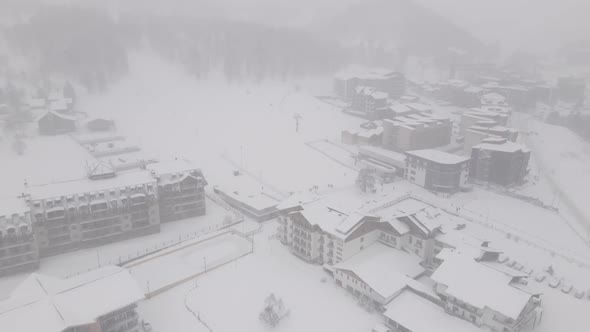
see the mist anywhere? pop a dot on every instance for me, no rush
(279, 165)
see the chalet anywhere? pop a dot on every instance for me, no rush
(369, 102)
(101, 300)
(390, 82)
(377, 273)
(487, 293)
(54, 123)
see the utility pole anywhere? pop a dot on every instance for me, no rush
(297, 117)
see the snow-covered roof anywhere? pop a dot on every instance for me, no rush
(257, 199)
(59, 189)
(384, 269)
(363, 72)
(45, 303)
(419, 107)
(418, 314)
(480, 285)
(56, 114)
(507, 146)
(437, 156)
(12, 205)
(172, 166)
(298, 199)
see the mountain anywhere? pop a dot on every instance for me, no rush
(390, 24)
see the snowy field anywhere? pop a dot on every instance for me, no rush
(173, 115)
(176, 264)
(231, 297)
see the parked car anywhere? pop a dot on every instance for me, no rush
(540, 277)
(511, 263)
(503, 259)
(580, 294)
(147, 327)
(566, 288)
(554, 283)
(518, 266)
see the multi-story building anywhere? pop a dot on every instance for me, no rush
(369, 102)
(499, 161)
(487, 293)
(103, 300)
(437, 170)
(102, 208)
(181, 189)
(390, 82)
(18, 248)
(477, 134)
(482, 118)
(416, 131)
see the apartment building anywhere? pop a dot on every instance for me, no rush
(437, 170)
(18, 248)
(499, 161)
(483, 118)
(181, 189)
(102, 208)
(487, 293)
(477, 134)
(388, 81)
(416, 131)
(103, 300)
(369, 102)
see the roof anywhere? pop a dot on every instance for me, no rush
(56, 114)
(173, 166)
(437, 156)
(45, 303)
(384, 269)
(481, 286)
(12, 205)
(418, 314)
(507, 146)
(298, 199)
(86, 185)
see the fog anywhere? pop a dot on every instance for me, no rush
(288, 166)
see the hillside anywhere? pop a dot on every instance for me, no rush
(390, 24)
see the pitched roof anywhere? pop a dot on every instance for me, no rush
(386, 270)
(45, 303)
(480, 285)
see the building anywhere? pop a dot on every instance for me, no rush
(102, 208)
(369, 102)
(487, 293)
(412, 311)
(477, 134)
(390, 82)
(571, 89)
(482, 118)
(18, 248)
(181, 189)
(437, 170)
(377, 273)
(499, 161)
(362, 136)
(415, 132)
(103, 300)
(260, 205)
(55, 123)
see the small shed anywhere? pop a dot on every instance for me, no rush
(100, 124)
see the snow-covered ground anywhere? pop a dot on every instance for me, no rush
(231, 297)
(169, 266)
